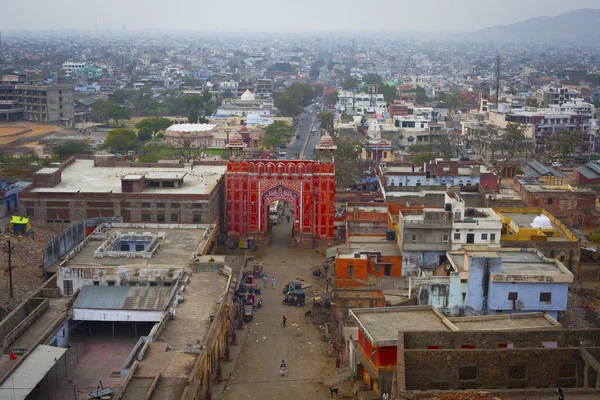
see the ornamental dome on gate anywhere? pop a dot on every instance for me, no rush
(326, 140)
(235, 139)
(326, 143)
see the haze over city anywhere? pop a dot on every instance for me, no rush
(275, 199)
(284, 15)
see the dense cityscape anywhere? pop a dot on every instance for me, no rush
(238, 214)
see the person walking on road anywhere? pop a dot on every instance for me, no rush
(284, 321)
(273, 282)
(282, 367)
(265, 281)
(288, 219)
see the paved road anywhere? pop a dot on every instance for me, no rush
(303, 129)
(256, 374)
(310, 148)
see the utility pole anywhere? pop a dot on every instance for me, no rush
(10, 247)
(497, 80)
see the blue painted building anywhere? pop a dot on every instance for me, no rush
(495, 281)
(10, 197)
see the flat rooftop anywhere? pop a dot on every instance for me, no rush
(374, 244)
(524, 220)
(83, 177)
(190, 327)
(28, 338)
(383, 324)
(503, 322)
(514, 262)
(175, 251)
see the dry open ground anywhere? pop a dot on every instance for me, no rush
(7, 131)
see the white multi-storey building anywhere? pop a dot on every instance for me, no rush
(575, 106)
(70, 66)
(352, 103)
(472, 226)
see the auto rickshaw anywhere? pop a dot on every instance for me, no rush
(248, 313)
(295, 298)
(291, 286)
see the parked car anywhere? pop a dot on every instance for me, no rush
(556, 164)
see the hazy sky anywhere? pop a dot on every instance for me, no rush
(388, 15)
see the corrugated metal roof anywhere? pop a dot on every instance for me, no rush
(535, 170)
(31, 371)
(529, 172)
(594, 167)
(148, 298)
(587, 172)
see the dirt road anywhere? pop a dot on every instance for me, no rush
(256, 374)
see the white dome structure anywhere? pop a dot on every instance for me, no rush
(196, 135)
(247, 96)
(541, 222)
(253, 119)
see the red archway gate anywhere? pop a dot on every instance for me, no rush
(253, 184)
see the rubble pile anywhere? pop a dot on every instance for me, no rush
(27, 274)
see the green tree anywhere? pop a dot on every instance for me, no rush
(145, 103)
(117, 112)
(293, 100)
(281, 67)
(326, 121)
(346, 160)
(144, 134)
(372, 79)
(192, 82)
(388, 92)
(121, 96)
(332, 98)
(70, 147)
(531, 102)
(155, 148)
(566, 143)
(101, 111)
(455, 101)
(277, 134)
(513, 140)
(350, 83)
(154, 124)
(120, 140)
(105, 110)
(420, 95)
(197, 106)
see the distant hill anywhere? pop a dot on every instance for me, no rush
(578, 26)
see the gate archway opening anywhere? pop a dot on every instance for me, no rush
(308, 186)
(286, 203)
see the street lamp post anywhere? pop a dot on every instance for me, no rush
(10, 247)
